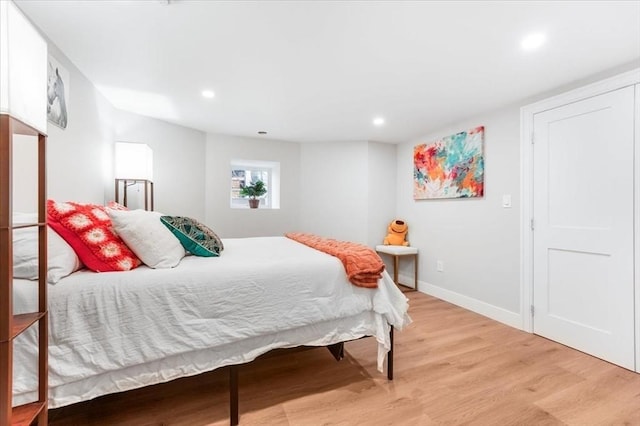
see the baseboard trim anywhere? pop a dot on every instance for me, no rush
(502, 315)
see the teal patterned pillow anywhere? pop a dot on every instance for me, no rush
(194, 236)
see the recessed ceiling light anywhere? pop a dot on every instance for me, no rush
(378, 121)
(533, 41)
(208, 94)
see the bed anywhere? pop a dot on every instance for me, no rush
(116, 331)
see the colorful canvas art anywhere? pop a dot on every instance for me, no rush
(452, 167)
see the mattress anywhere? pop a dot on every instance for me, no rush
(116, 331)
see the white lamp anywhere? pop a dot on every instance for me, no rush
(23, 68)
(134, 166)
(134, 161)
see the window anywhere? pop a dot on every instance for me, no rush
(246, 172)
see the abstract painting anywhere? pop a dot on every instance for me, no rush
(452, 167)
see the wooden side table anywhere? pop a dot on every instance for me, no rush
(396, 252)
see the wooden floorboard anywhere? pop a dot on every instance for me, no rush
(452, 367)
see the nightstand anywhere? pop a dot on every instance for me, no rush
(397, 252)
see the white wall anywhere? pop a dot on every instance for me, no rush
(381, 190)
(334, 178)
(236, 223)
(79, 158)
(343, 190)
(353, 190)
(178, 162)
(476, 238)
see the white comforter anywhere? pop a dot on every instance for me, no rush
(116, 331)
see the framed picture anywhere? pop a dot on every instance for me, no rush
(452, 167)
(57, 93)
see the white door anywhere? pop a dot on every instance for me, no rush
(583, 226)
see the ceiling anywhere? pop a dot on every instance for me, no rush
(322, 71)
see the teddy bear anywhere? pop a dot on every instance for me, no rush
(397, 233)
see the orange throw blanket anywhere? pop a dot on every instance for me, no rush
(362, 265)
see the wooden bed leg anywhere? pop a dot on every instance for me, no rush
(233, 395)
(390, 357)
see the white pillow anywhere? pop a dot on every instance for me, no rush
(62, 260)
(147, 237)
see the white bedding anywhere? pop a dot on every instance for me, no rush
(116, 331)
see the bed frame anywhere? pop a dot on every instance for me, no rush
(349, 329)
(337, 350)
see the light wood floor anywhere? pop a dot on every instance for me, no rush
(452, 367)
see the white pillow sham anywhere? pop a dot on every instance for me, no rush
(62, 260)
(147, 237)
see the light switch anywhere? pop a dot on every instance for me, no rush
(506, 201)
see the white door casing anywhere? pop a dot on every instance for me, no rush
(637, 224)
(583, 203)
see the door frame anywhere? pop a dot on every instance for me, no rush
(527, 114)
(636, 223)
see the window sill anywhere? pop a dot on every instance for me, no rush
(258, 208)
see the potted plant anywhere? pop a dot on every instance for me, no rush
(253, 191)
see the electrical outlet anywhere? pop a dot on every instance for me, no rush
(440, 266)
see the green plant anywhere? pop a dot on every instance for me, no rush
(253, 191)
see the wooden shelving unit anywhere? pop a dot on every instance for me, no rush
(12, 325)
